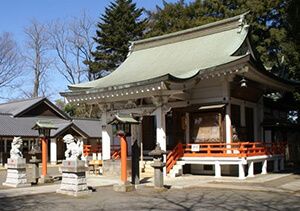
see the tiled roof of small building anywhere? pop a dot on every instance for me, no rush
(11, 125)
(14, 108)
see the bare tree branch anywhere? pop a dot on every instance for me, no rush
(36, 57)
(9, 60)
(73, 43)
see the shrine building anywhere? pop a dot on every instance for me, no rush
(200, 94)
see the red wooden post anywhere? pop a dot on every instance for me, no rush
(44, 156)
(123, 143)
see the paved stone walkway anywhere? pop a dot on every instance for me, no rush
(280, 183)
(280, 191)
(104, 198)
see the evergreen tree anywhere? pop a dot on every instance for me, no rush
(268, 20)
(120, 24)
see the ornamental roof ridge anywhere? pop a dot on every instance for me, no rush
(198, 31)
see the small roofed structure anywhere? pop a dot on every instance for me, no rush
(18, 118)
(42, 125)
(123, 119)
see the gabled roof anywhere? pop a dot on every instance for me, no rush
(179, 55)
(16, 107)
(20, 108)
(10, 126)
(22, 126)
(15, 122)
(91, 127)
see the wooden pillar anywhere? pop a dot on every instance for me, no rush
(228, 124)
(123, 158)
(5, 145)
(187, 128)
(135, 155)
(260, 118)
(53, 151)
(105, 137)
(44, 156)
(251, 169)
(161, 128)
(243, 115)
(226, 97)
(29, 144)
(264, 167)
(275, 166)
(161, 132)
(218, 173)
(281, 164)
(241, 171)
(228, 128)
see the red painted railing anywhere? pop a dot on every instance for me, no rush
(115, 152)
(88, 150)
(241, 149)
(173, 156)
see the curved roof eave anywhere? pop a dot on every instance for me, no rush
(257, 64)
(181, 59)
(168, 77)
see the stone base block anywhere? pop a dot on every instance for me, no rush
(73, 166)
(124, 187)
(16, 173)
(74, 187)
(45, 179)
(16, 185)
(73, 178)
(19, 163)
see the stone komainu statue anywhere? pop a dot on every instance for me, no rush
(74, 150)
(16, 145)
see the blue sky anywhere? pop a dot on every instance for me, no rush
(15, 15)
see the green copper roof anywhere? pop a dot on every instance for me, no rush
(123, 118)
(180, 55)
(44, 124)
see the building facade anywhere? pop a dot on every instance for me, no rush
(199, 94)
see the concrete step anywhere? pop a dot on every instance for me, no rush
(177, 169)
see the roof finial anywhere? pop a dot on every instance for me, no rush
(242, 22)
(130, 49)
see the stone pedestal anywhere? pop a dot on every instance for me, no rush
(16, 173)
(45, 179)
(127, 187)
(35, 169)
(73, 178)
(158, 173)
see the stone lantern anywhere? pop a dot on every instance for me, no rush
(35, 162)
(124, 185)
(158, 165)
(44, 128)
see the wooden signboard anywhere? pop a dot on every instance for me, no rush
(211, 134)
(206, 127)
(195, 147)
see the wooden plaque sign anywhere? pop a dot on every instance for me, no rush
(195, 147)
